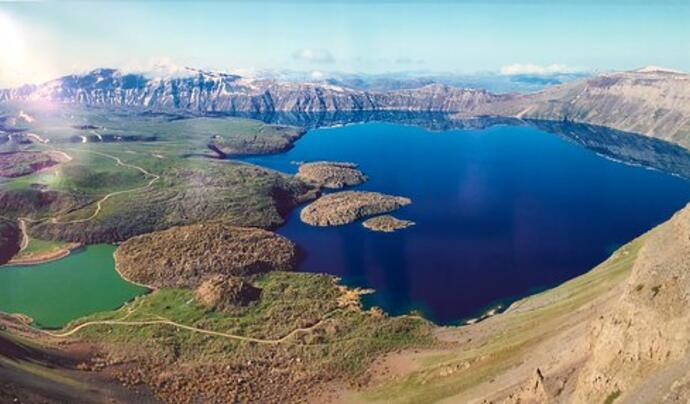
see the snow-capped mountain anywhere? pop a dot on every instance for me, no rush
(205, 91)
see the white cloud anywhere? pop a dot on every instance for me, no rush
(529, 68)
(313, 55)
(318, 75)
(156, 67)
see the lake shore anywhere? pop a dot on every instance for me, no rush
(44, 257)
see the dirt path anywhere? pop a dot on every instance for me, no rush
(22, 221)
(99, 203)
(25, 235)
(161, 321)
(164, 321)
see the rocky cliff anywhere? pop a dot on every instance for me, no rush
(217, 92)
(640, 345)
(619, 333)
(650, 101)
(653, 102)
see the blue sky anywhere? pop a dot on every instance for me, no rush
(41, 40)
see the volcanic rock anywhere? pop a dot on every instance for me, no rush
(346, 207)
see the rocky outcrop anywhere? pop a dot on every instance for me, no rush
(645, 332)
(387, 223)
(221, 292)
(184, 256)
(331, 174)
(652, 102)
(346, 207)
(24, 202)
(634, 346)
(280, 139)
(204, 91)
(20, 163)
(633, 343)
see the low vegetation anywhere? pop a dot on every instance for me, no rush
(184, 256)
(162, 176)
(42, 251)
(305, 331)
(20, 163)
(255, 139)
(348, 206)
(386, 223)
(331, 174)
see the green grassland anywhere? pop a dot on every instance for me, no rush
(89, 174)
(306, 335)
(342, 342)
(191, 187)
(38, 247)
(198, 190)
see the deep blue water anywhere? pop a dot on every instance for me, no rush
(500, 213)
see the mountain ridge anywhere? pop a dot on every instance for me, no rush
(220, 92)
(651, 101)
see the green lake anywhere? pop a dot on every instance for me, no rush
(57, 292)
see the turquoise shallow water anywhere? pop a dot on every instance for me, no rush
(55, 293)
(501, 212)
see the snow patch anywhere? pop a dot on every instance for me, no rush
(657, 69)
(26, 117)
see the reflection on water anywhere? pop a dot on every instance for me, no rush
(502, 209)
(621, 146)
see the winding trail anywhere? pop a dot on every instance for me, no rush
(25, 235)
(99, 204)
(164, 321)
(161, 320)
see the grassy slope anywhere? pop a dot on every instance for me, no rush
(502, 342)
(288, 301)
(341, 344)
(37, 248)
(191, 188)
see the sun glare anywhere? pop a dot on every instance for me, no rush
(11, 45)
(13, 58)
(20, 63)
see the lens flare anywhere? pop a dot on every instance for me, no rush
(12, 49)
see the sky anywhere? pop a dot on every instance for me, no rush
(43, 40)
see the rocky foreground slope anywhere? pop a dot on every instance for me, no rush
(640, 345)
(620, 333)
